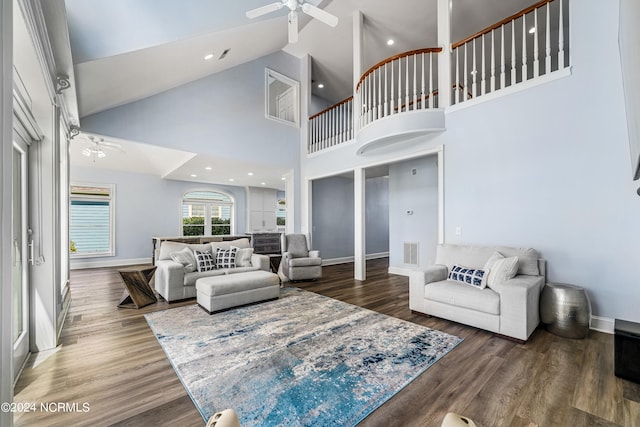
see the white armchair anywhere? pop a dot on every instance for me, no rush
(298, 262)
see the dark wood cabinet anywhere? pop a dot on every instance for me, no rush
(265, 243)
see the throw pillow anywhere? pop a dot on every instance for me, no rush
(205, 261)
(186, 258)
(502, 270)
(469, 276)
(243, 256)
(226, 258)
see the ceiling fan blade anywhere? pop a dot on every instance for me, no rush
(293, 27)
(320, 14)
(254, 13)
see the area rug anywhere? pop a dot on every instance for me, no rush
(301, 360)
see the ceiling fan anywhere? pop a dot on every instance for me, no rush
(95, 150)
(294, 6)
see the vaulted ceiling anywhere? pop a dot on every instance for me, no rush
(127, 50)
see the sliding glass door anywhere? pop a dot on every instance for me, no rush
(20, 256)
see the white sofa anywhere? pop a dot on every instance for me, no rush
(507, 307)
(175, 281)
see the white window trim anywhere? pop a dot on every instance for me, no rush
(207, 210)
(112, 221)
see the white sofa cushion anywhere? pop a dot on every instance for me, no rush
(243, 256)
(190, 278)
(477, 256)
(461, 295)
(501, 270)
(168, 247)
(186, 258)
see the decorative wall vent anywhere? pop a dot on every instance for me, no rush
(411, 253)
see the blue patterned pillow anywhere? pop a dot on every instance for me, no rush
(226, 258)
(204, 261)
(469, 276)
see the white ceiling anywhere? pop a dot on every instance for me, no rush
(126, 50)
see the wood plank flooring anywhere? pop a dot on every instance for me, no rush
(109, 359)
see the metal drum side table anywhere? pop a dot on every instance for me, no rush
(565, 310)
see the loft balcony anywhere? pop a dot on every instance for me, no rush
(403, 97)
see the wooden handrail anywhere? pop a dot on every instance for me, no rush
(501, 23)
(398, 56)
(344, 101)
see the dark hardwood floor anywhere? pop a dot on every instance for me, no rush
(109, 359)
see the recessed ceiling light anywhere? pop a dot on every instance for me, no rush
(263, 183)
(208, 56)
(208, 168)
(532, 30)
(231, 179)
(283, 178)
(320, 85)
(390, 42)
(250, 174)
(193, 175)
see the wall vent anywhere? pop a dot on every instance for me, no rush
(411, 253)
(226, 51)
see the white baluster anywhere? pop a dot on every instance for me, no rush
(524, 48)
(415, 82)
(399, 85)
(493, 61)
(380, 94)
(547, 58)
(502, 59)
(466, 73)
(386, 88)
(423, 83)
(430, 79)
(561, 38)
(513, 52)
(374, 112)
(484, 76)
(456, 90)
(371, 97)
(536, 52)
(392, 95)
(474, 72)
(406, 92)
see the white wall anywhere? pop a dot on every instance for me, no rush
(546, 168)
(148, 206)
(417, 193)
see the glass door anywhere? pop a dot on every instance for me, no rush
(20, 257)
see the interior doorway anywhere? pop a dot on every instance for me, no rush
(21, 244)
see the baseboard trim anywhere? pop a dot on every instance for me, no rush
(348, 259)
(602, 324)
(82, 264)
(400, 271)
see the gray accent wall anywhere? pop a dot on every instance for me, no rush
(418, 194)
(148, 206)
(333, 216)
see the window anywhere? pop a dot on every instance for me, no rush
(281, 98)
(281, 212)
(207, 213)
(91, 220)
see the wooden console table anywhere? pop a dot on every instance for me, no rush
(138, 292)
(191, 239)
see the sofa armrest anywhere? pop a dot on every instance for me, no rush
(314, 254)
(169, 274)
(419, 278)
(519, 305)
(260, 261)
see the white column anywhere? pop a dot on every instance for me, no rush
(6, 152)
(358, 33)
(444, 58)
(359, 208)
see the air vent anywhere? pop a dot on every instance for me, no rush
(411, 253)
(223, 54)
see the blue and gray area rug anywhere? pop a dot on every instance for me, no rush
(302, 360)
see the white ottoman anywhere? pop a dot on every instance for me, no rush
(217, 293)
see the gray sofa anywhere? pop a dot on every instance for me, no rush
(176, 281)
(508, 306)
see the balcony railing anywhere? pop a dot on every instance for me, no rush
(331, 126)
(511, 51)
(527, 45)
(405, 82)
